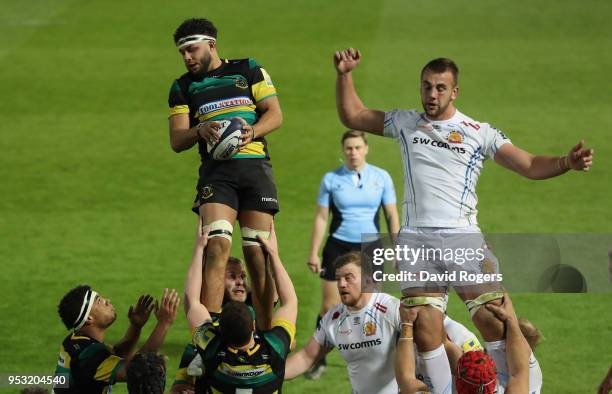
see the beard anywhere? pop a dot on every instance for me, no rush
(204, 63)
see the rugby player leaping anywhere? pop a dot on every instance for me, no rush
(443, 152)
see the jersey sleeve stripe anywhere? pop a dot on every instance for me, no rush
(408, 171)
(179, 109)
(287, 325)
(107, 369)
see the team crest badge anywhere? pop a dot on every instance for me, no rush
(454, 137)
(488, 267)
(369, 329)
(241, 83)
(206, 192)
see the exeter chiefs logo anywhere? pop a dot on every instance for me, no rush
(487, 267)
(454, 137)
(369, 329)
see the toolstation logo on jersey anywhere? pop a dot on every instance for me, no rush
(224, 104)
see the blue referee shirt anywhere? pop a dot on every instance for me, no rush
(355, 199)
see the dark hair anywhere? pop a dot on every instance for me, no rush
(361, 260)
(234, 260)
(146, 374)
(236, 323)
(440, 65)
(70, 305)
(353, 134)
(195, 26)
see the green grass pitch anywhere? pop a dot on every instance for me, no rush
(91, 192)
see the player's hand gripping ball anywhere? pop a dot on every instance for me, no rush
(228, 144)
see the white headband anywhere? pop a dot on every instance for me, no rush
(88, 302)
(185, 41)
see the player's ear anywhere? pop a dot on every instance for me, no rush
(90, 321)
(455, 92)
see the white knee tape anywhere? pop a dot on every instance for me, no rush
(221, 228)
(439, 303)
(475, 304)
(249, 236)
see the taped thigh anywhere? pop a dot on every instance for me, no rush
(249, 236)
(220, 228)
(475, 304)
(439, 303)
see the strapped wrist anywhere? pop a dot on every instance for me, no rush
(563, 163)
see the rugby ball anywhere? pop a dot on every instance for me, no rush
(229, 131)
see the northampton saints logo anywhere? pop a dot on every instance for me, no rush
(206, 192)
(241, 83)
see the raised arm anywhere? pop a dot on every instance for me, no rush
(405, 361)
(300, 362)
(517, 348)
(165, 312)
(318, 232)
(353, 114)
(284, 286)
(197, 314)
(138, 315)
(531, 166)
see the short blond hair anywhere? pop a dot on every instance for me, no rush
(530, 332)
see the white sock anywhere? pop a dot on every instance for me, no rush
(497, 351)
(436, 370)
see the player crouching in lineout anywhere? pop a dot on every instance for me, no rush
(212, 90)
(443, 152)
(233, 357)
(364, 328)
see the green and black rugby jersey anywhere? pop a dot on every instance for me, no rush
(231, 90)
(91, 366)
(259, 370)
(191, 351)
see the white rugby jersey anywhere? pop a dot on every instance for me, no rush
(442, 162)
(366, 340)
(458, 334)
(535, 377)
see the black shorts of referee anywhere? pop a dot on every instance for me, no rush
(335, 248)
(241, 184)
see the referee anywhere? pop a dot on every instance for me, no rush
(354, 193)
